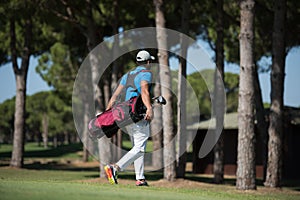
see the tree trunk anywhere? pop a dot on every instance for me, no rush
(67, 138)
(246, 136)
(20, 77)
(181, 104)
(165, 77)
(116, 45)
(55, 141)
(19, 123)
(45, 123)
(219, 101)
(274, 169)
(86, 119)
(262, 126)
(104, 144)
(157, 131)
(117, 139)
(93, 41)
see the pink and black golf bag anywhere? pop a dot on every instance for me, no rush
(120, 115)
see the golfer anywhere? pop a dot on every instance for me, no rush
(135, 82)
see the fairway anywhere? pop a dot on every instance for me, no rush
(57, 184)
(57, 173)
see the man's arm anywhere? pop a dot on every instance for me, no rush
(146, 99)
(114, 97)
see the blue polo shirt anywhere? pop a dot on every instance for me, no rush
(141, 76)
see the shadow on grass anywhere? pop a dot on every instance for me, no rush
(209, 180)
(50, 159)
(227, 181)
(50, 152)
(291, 184)
(54, 165)
(151, 176)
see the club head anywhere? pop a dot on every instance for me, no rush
(160, 100)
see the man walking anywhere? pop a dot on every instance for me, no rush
(135, 83)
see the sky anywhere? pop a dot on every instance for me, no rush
(291, 88)
(292, 80)
(292, 74)
(8, 85)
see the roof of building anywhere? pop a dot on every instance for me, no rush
(292, 115)
(230, 122)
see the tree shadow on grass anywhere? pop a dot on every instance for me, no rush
(59, 158)
(50, 152)
(150, 176)
(54, 152)
(290, 184)
(55, 165)
(210, 180)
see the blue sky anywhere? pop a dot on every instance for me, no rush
(7, 81)
(292, 80)
(291, 89)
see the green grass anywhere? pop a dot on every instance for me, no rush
(54, 180)
(126, 144)
(44, 190)
(56, 184)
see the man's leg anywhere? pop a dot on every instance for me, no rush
(140, 139)
(140, 134)
(139, 168)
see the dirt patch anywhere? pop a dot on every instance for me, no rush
(178, 183)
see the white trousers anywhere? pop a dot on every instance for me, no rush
(139, 133)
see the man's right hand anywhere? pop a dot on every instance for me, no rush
(149, 114)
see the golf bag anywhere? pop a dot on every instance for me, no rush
(120, 115)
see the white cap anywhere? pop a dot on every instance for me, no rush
(144, 56)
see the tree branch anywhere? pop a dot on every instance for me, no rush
(70, 17)
(27, 45)
(209, 40)
(71, 20)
